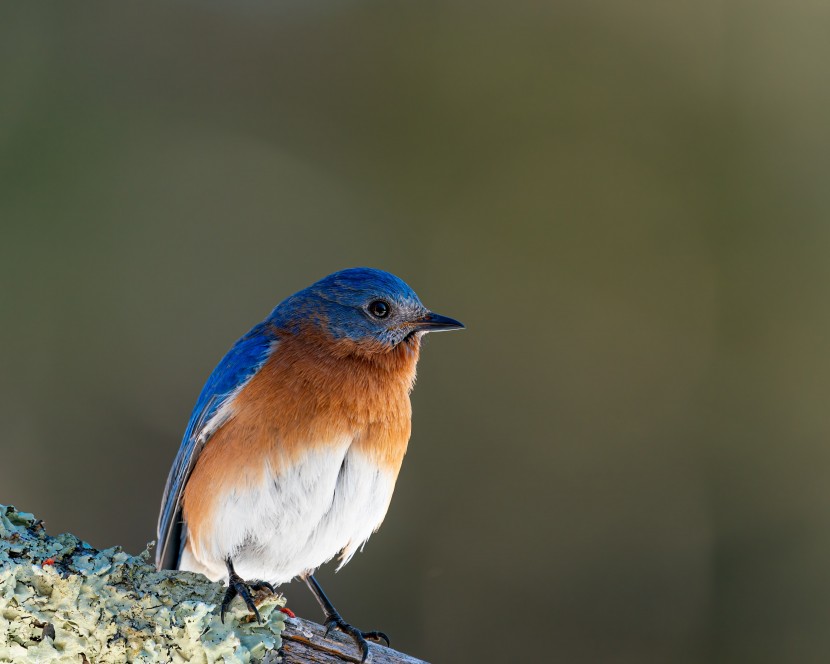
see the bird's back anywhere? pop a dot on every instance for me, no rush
(235, 369)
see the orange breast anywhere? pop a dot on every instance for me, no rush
(311, 392)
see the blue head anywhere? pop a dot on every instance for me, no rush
(364, 305)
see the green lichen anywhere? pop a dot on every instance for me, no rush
(63, 601)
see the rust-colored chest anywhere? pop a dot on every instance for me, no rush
(311, 393)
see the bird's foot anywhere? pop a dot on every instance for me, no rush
(334, 620)
(236, 586)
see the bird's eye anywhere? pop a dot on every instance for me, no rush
(379, 309)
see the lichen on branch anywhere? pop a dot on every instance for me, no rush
(61, 600)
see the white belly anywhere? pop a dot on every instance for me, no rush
(328, 501)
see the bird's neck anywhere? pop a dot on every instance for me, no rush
(362, 380)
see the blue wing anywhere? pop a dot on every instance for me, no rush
(241, 362)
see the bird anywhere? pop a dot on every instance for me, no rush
(293, 448)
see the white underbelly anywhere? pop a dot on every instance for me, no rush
(328, 501)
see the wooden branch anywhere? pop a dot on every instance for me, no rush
(305, 642)
(62, 600)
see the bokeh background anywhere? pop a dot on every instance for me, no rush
(625, 456)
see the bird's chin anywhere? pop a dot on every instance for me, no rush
(413, 339)
(378, 349)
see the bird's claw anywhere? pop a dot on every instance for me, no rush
(360, 637)
(236, 586)
(376, 636)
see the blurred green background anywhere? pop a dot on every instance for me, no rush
(623, 459)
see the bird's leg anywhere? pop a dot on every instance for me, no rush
(334, 619)
(236, 586)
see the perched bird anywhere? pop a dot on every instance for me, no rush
(294, 445)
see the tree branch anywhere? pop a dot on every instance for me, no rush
(62, 600)
(305, 641)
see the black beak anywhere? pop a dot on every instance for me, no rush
(437, 323)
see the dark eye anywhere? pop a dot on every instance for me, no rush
(379, 309)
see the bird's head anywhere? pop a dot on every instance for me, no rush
(374, 309)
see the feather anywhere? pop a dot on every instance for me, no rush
(213, 408)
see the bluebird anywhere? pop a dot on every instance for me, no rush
(292, 451)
